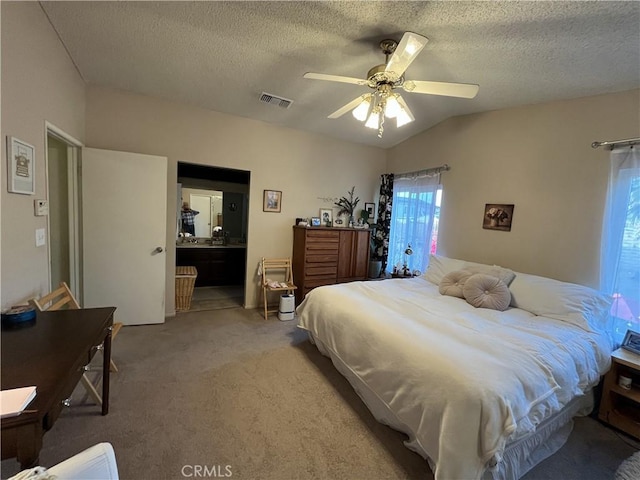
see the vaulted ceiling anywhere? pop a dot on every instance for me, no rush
(222, 55)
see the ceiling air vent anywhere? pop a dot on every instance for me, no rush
(275, 100)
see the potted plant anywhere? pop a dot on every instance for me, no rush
(348, 205)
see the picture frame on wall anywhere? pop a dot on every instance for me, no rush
(272, 201)
(21, 164)
(498, 216)
(371, 209)
(326, 217)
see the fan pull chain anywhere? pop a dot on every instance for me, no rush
(381, 128)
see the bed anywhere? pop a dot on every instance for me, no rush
(480, 392)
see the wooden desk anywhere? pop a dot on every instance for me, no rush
(50, 355)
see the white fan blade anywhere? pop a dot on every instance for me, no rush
(462, 90)
(349, 106)
(334, 78)
(406, 51)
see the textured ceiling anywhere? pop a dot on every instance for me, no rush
(222, 55)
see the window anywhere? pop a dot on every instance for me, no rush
(620, 256)
(414, 221)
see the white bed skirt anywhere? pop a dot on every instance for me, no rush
(519, 456)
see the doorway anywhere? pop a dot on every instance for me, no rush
(64, 224)
(218, 251)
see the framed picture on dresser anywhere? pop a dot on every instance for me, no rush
(326, 217)
(631, 342)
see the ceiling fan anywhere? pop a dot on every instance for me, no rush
(372, 108)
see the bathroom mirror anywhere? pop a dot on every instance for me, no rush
(208, 204)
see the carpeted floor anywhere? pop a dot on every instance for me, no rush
(228, 390)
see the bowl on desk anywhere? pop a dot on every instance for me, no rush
(19, 317)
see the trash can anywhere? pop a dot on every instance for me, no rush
(185, 281)
(287, 309)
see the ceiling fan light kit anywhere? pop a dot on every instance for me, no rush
(372, 108)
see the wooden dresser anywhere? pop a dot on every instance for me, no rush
(324, 256)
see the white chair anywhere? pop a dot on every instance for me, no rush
(94, 463)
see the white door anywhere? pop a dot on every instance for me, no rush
(124, 222)
(202, 204)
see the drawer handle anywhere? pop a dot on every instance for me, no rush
(66, 402)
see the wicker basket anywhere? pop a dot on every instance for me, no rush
(185, 281)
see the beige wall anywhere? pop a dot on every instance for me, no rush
(540, 159)
(39, 83)
(303, 166)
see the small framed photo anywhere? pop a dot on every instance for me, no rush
(326, 217)
(338, 222)
(497, 216)
(315, 221)
(371, 209)
(631, 342)
(272, 201)
(21, 166)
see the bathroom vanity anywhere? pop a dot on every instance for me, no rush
(217, 265)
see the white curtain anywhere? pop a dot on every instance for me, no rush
(620, 246)
(412, 219)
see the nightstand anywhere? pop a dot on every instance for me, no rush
(620, 407)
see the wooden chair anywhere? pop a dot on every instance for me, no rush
(62, 298)
(280, 268)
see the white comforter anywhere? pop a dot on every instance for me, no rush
(461, 381)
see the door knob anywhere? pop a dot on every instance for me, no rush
(158, 250)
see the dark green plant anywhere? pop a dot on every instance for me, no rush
(348, 205)
(376, 243)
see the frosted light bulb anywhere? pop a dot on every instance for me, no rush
(360, 112)
(403, 118)
(392, 108)
(373, 121)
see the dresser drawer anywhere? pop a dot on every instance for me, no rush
(322, 235)
(322, 248)
(328, 258)
(320, 269)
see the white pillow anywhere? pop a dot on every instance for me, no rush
(453, 282)
(503, 274)
(485, 291)
(578, 305)
(439, 266)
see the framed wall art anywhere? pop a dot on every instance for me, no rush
(21, 160)
(497, 216)
(371, 209)
(272, 201)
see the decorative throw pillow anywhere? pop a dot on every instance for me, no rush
(485, 291)
(503, 274)
(452, 283)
